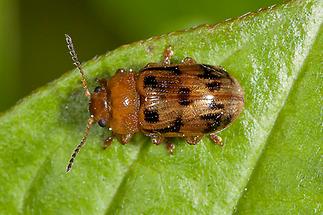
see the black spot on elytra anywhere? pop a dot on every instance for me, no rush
(211, 116)
(151, 116)
(173, 69)
(212, 73)
(183, 96)
(213, 86)
(150, 81)
(174, 127)
(215, 106)
(213, 121)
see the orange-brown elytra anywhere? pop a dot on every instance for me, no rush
(163, 101)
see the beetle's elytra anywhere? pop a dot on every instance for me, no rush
(162, 101)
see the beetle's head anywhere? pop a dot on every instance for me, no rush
(99, 106)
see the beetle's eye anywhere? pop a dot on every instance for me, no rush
(97, 89)
(102, 123)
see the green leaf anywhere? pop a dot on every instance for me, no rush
(288, 173)
(271, 162)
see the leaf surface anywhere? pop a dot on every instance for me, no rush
(271, 158)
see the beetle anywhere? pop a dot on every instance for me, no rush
(163, 100)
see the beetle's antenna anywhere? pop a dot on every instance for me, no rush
(79, 146)
(77, 63)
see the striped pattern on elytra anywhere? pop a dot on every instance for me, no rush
(173, 94)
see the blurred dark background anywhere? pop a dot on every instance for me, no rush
(32, 45)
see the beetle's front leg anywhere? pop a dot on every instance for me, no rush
(107, 142)
(124, 138)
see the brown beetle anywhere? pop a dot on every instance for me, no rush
(162, 101)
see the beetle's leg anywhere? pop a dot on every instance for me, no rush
(193, 140)
(168, 53)
(124, 138)
(188, 61)
(107, 142)
(216, 139)
(170, 147)
(156, 138)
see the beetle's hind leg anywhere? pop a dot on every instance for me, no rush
(216, 139)
(170, 147)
